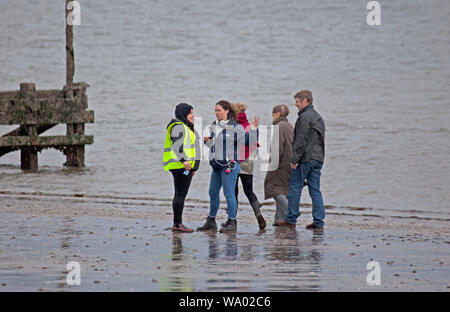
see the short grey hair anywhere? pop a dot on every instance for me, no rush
(283, 109)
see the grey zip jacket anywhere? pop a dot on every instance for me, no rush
(225, 142)
(309, 136)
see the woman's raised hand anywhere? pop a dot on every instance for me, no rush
(255, 122)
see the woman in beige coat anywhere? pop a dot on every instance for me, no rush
(276, 183)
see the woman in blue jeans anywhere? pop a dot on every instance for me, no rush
(226, 137)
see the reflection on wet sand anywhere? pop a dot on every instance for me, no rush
(116, 255)
(213, 247)
(279, 260)
(284, 245)
(66, 244)
(276, 261)
(225, 264)
(176, 275)
(295, 263)
(231, 246)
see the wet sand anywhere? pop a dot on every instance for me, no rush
(127, 245)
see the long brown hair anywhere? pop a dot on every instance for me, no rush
(232, 114)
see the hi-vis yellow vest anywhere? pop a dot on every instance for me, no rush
(170, 159)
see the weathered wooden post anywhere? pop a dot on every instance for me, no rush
(28, 154)
(74, 154)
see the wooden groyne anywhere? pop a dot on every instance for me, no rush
(36, 111)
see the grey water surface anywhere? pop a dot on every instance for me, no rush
(382, 90)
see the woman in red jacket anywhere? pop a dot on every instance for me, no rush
(248, 154)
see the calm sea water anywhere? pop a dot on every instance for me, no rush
(383, 91)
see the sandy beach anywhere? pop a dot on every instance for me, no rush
(92, 192)
(125, 244)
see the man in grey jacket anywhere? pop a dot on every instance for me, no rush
(306, 163)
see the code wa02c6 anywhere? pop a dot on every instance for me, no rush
(246, 301)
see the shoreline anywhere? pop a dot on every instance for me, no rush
(138, 207)
(126, 245)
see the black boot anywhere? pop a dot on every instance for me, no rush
(256, 209)
(209, 225)
(230, 226)
(224, 223)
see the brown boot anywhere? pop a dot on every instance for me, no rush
(284, 223)
(257, 210)
(181, 228)
(312, 226)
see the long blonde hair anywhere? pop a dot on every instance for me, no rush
(239, 107)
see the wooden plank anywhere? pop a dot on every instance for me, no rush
(49, 94)
(8, 95)
(76, 89)
(46, 141)
(43, 104)
(40, 94)
(46, 117)
(20, 131)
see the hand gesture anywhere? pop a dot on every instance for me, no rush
(255, 122)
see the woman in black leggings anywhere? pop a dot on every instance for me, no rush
(181, 183)
(248, 154)
(181, 158)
